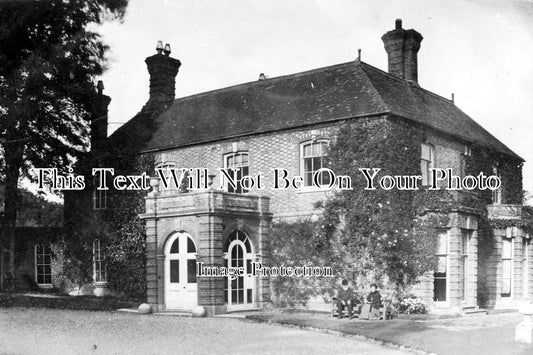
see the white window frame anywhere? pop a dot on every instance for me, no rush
(430, 161)
(249, 281)
(306, 184)
(44, 247)
(496, 194)
(446, 256)
(525, 267)
(241, 167)
(99, 197)
(99, 267)
(167, 166)
(465, 254)
(510, 259)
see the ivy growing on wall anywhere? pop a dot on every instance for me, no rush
(125, 243)
(301, 243)
(118, 227)
(383, 234)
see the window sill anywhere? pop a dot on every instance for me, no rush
(309, 189)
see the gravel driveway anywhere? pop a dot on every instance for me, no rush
(47, 331)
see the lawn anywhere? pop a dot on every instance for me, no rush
(479, 334)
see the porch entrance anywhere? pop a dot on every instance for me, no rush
(180, 272)
(239, 292)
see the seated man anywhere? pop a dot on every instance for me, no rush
(345, 299)
(374, 298)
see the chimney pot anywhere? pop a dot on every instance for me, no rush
(398, 23)
(167, 49)
(159, 47)
(100, 87)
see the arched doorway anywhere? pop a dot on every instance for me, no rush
(180, 272)
(240, 291)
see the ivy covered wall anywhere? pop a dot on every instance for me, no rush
(389, 236)
(118, 227)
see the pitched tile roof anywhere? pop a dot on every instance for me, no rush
(342, 91)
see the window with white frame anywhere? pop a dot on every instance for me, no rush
(507, 267)
(313, 156)
(43, 265)
(99, 196)
(238, 166)
(441, 271)
(167, 169)
(525, 267)
(496, 194)
(427, 161)
(99, 274)
(465, 243)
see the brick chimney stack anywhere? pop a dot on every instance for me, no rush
(402, 47)
(99, 120)
(163, 70)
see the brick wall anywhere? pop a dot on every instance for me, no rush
(280, 150)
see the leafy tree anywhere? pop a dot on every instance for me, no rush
(37, 211)
(48, 60)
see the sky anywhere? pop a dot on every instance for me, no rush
(480, 50)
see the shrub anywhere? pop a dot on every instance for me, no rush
(60, 263)
(412, 305)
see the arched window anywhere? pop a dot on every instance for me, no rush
(313, 155)
(182, 260)
(181, 284)
(240, 236)
(239, 293)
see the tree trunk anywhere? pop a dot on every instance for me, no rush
(14, 155)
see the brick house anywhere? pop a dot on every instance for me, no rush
(38, 227)
(289, 122)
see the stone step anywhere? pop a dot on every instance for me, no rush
(173, 314)
(474, 310)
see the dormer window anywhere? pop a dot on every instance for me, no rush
(427, 161)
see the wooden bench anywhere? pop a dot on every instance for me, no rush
(385, 310)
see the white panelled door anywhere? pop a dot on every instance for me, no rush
(181, 291)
